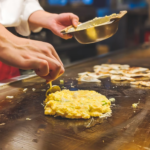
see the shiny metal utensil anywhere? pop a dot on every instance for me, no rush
(95, 30)
(53, 88)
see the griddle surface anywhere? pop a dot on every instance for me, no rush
(127, 129)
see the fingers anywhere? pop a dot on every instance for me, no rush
(56, 58)
(55, 71)
(47, 68)
(55, 54)
(75, 22)
(40, 66)
(64, 36)
(62, 21)
(50, 52)
(56, 68)
(42, 58)
(48, 77)
(43, 68)
(74, 19)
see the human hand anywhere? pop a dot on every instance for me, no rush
(58, 22)
(29, 54)
(53, 22)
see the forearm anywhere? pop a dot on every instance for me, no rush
(7, 37)
(40, 18)
(8, 42)
(29, 54)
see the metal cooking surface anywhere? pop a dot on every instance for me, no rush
(127, 129)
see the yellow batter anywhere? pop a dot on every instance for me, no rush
(76, 104)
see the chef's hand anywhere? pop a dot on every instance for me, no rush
(53, 22)
(60, 21)
(29, 54)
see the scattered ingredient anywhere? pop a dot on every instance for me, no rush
(28, 119)
(61, 82)
(106, 115)
(24, 90)
(9, 97)
(42, 104)
(90, 123)
(135, 105)
(2, 124)
(43, 90)
(64, 87)
(112, 99)
(33, 89)
(113, 105)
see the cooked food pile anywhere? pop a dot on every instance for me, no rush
(117, 72)
(77, 104)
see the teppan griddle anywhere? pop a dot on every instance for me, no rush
(127, 129)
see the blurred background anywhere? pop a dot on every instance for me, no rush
(134, 28)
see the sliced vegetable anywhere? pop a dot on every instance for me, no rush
(61, 82)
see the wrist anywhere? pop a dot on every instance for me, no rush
(44, 20)
(8, 39)
(50, 20)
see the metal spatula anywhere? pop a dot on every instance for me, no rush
(95, 30)
(53, 88)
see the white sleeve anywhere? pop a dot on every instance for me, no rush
(29, 6)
